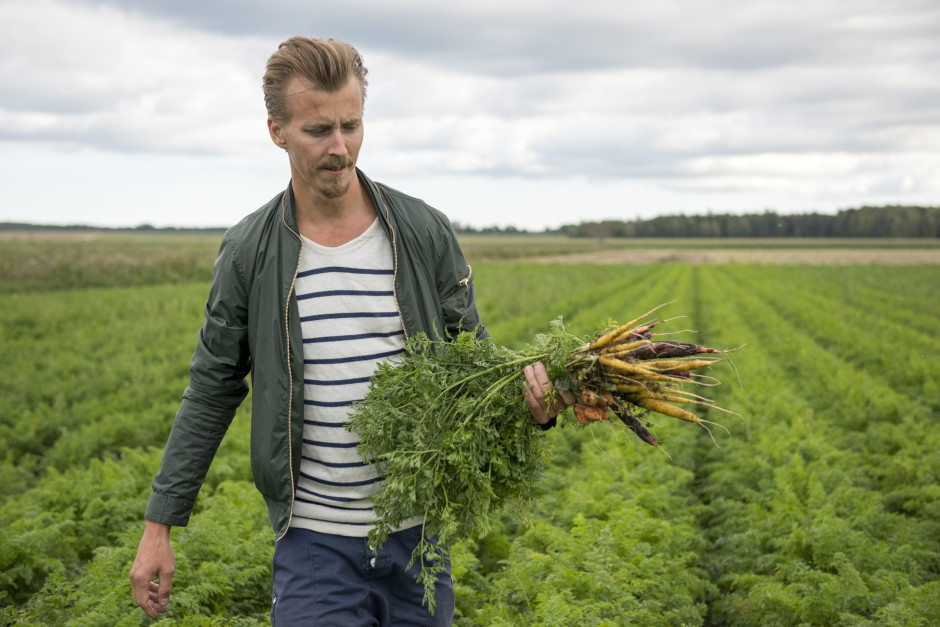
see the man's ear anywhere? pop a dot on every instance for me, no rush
(277, 133)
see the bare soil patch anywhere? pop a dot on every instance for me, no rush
(820, 256)
(48, 236)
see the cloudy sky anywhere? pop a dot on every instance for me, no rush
(530, 113)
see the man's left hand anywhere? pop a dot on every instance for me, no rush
(537, 394)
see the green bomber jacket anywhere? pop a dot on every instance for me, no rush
(252, 328)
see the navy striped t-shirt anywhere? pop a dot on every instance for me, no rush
(350, 323)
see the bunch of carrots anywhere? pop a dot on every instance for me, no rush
(631, 371)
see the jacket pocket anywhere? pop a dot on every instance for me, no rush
(459, 305)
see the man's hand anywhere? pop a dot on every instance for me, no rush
(152, 572)
(535, 394)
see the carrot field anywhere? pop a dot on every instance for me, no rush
(818, 505)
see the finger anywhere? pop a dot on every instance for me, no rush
(155, 605)
(566, 395)
(163, 590)
(154, 594)
(561, 400)
(150, 604)
(541, 375)
(535, 385)
(150, 609)
(141, 593)
(535, 396)
(543, 385)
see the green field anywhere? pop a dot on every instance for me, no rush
(820, 504)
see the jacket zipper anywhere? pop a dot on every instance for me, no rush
(388, 220)
(290, 374)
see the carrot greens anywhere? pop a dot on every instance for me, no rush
(455, 440)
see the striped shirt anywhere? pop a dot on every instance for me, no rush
(350, 324)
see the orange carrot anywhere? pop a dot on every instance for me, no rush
(586, 414)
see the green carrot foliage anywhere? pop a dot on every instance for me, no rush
(454, 438)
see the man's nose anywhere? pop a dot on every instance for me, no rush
(337, 143)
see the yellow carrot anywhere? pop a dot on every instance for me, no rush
(679, 365)
(607, 338)
(633, 372)
(620, 349)
(621, 366)
(688, 401)
(631, 388)
(662, 407)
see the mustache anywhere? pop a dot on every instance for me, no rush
(336, 163)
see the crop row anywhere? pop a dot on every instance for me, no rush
(826, 513)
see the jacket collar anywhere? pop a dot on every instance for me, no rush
(379, 202)
(288, 216)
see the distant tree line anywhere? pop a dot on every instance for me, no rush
(887, 221)
(143, 228)
(464, 229)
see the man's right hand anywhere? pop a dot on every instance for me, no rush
(152, 572)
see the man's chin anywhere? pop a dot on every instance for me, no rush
(335, 191)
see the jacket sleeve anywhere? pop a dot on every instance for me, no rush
(216, 388)
(458, 296)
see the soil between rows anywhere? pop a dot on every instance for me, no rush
(902, 257)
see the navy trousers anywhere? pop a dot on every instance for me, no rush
(325, 580)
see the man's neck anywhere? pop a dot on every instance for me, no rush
(333, 221)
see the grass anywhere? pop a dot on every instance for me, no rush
(39, 261)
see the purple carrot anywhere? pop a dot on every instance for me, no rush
(664, 350)
(634, 424)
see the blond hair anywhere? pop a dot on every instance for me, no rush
(326, 64)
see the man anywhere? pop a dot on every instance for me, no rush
(309, 294)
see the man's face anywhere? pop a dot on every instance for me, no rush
(322, 136)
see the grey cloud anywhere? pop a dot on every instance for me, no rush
(532, 37)
(50, 99)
